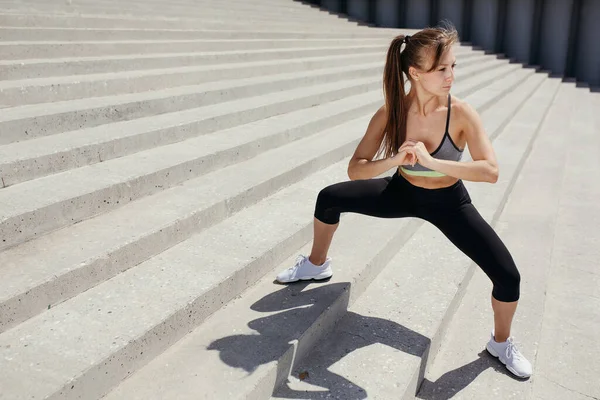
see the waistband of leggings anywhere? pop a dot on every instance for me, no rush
(398, 175)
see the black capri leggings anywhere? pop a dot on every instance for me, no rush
(448, 208)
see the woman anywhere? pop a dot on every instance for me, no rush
(423, 133)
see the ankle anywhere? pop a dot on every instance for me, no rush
(500, 339)
(317, 261)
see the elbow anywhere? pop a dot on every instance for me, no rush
(352, 173)
(493, 175)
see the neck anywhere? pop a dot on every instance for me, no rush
(421, 102)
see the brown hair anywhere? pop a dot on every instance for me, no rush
(420, 49)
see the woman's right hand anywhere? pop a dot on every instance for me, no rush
(403, 157)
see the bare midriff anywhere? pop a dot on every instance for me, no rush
(429, 182)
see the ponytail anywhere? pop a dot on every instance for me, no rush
(395, 98)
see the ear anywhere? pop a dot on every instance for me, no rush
(414, 74)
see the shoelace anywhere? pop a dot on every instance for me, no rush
(512, 349)
(299, 261)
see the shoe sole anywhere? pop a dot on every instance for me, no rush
(308, 279)
(494, 354)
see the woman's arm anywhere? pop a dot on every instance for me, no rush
(361, 165)
(476, 171)
(483, 168)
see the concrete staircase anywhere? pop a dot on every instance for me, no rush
(159, 164)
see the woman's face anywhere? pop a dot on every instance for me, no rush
(440, 80)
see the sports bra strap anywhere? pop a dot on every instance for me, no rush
(448, 117)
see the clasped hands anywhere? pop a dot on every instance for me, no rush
(412, 152)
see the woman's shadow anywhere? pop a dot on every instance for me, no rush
(300, 307)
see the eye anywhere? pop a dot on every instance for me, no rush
(444, 68)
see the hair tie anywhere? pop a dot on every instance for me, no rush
(406, 38)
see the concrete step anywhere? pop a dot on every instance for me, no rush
(57, 280)
(292, 4)
(394, 337)
(110, 34)
(287, 5)
(90, 20)
(50, 49)
(32, 91)
(241, 4)
(288, 8)
(237, 344)
(197, 13)
(270, 9)
(238, 4)
(322, 20)
(30, 121)
(10, 18)
(556, 262)
(40, 68)
(209, 7)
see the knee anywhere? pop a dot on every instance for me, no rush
(326, 196)
(514, 278)
(508, 286)
(325, 209)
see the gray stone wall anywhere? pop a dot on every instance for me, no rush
(562, 36)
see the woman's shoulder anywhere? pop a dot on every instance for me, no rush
(378, 121)
(462, 110)
(380, 115)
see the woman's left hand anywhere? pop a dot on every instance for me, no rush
(421, 154)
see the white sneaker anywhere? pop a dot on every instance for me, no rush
(305, 270)
(510, 356)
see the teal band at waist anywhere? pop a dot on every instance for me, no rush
(430, 174)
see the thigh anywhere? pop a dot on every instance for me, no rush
(380, 197)
(468, 231)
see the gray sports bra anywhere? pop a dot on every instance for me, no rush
(447, 150)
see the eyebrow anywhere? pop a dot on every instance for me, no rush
(454, 62)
